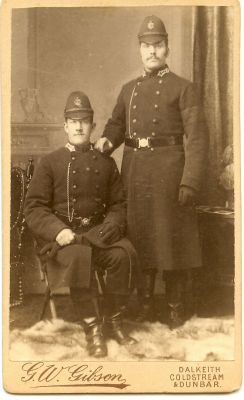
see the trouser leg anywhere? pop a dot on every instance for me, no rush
(146, 296)
(74, 262)
(73, 267)
(189, 293)
(183, 294)
(191, 283)
(114, 320)
(116, 265)
(176, 283)
(115, 262)
(196, 295)
(87, 306)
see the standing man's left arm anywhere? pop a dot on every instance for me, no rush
(196, 143)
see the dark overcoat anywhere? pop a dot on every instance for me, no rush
(157, 105)
(84, 181)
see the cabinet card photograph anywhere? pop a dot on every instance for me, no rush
(121, 182)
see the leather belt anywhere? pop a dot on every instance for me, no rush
(80, 222)
(151, 142)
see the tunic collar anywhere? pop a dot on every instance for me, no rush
(79, 149)
(70, 147)
(160, 72)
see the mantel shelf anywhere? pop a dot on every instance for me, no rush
(44, 126)
(35, 139)
(30, 151)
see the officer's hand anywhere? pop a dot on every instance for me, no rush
(187, 196)
(110, 233)
(103, 145)
(65, 237)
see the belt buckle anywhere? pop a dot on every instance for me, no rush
(85, 222)
(143, 142)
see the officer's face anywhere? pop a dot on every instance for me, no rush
(78, 130)
(153, 55)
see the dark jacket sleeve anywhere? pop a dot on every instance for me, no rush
(38, 204)
(116, 126)
(196, 138)
(116, 209)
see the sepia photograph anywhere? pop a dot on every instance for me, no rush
(122, 196)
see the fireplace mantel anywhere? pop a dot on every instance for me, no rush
(34, 140)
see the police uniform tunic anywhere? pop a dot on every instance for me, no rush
(161, 106)
(69, 185)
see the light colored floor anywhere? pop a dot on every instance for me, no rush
(205, 338)
(199, 339)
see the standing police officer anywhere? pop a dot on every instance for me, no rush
(77, 190)
(159, 118)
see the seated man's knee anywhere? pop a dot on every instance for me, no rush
(119, 258)
(71, 253)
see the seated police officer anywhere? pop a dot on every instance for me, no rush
(76, 190)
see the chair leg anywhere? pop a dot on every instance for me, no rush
(49, 296)
(52, 307)
(48, 299)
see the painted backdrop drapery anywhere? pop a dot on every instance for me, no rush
(213, 73)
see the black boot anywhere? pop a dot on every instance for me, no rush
(176, 315)
(115, 330)
(88, 310)
(175, 307)
(147, 308)
(96, 345)
(114, 326)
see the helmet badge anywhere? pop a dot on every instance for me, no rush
(77, 102)
(150, 25)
